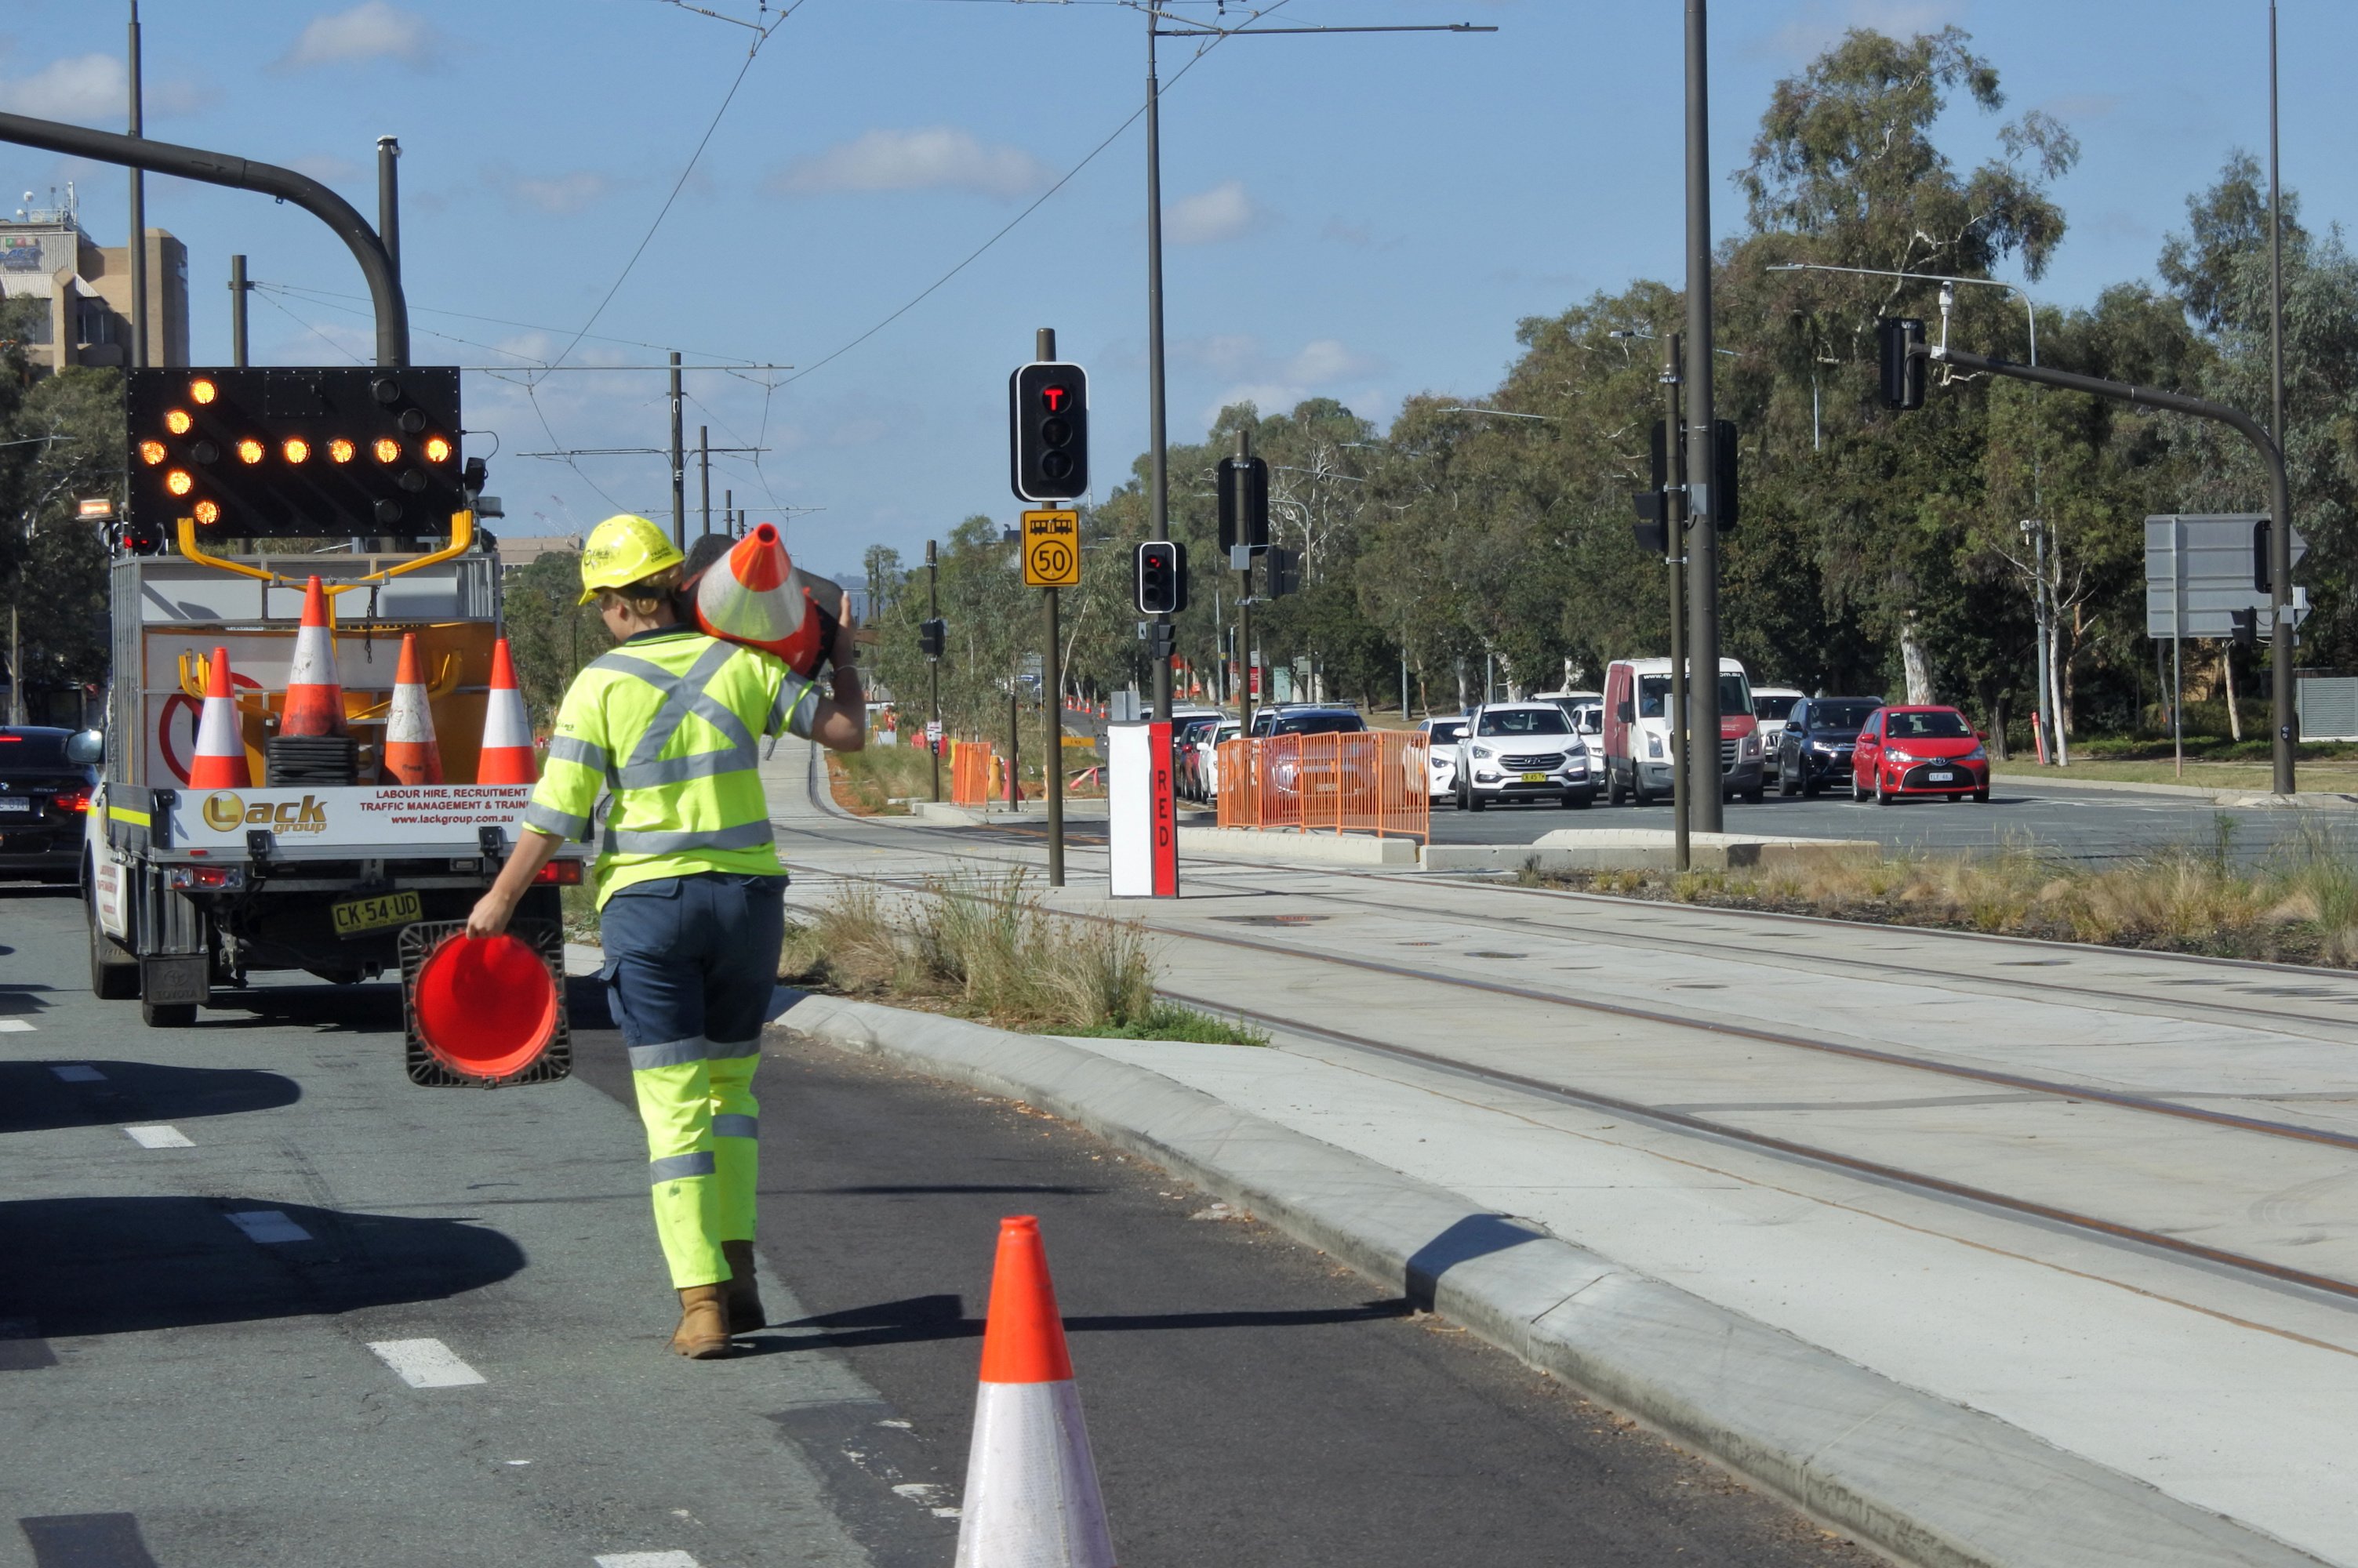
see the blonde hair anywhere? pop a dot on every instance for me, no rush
(651, 592)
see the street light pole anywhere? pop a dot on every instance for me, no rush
(1703, 726)
(139, 245)
(1158, 521)
(2280, 666)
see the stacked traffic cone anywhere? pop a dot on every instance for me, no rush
(315, 695)
(220, 762)
(412, 756)
(752, 595)
(506, 756)
(1030, 1486)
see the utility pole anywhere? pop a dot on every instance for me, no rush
(1158, 517)
(704, 464)
(1674, 516)
(934, 667)
(2037, 529)
(1244, 609)
(388, 199)
(678, 462)
(1702, 546)
(2281, 651)
(16, 671)
(138, 243)
(238, 289)
(1052, 684)
(728, 527)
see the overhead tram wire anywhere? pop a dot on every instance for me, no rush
(719, 360)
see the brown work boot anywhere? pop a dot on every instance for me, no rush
(742, 1295)
(703, 1332)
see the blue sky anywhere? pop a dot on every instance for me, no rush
(1359, 217)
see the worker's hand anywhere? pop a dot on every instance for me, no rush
(845, 653)
(490, 914)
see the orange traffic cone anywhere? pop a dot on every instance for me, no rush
(220, 762)
(754, 595)
(315, 695)
(1032, 1495)
(412, 756)
(507, 730)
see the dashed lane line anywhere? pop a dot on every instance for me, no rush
(268, 1227)
(159, 1138)
(426, 1364)
(15, 1026)
(646, 1559)
(76, 1073)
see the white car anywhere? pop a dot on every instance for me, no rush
(1440, 753)
(1522, 751)
(1207, 750)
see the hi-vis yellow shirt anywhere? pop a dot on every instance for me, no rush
(667, 726)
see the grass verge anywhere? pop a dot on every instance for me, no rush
(866, 782)
(993, 952)
(2298, 906)
(2334, 777)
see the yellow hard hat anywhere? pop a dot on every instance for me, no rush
(623, 549)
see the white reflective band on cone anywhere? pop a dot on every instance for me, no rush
(1032, 1499)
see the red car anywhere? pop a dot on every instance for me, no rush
(1918, 751)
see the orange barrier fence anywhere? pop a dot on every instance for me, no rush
(971, 769)
(1374, 781)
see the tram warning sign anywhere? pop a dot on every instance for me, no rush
(1052, 549)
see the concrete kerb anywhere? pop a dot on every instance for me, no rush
(2306, 800)
(1640, 849)
(1930, 1481)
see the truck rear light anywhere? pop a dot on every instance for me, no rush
(560, 873)
(201, 879)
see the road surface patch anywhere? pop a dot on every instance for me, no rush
(159, 1138)
(77, 1073)
(430, 1364)
(22, 1348)
(268, 1227)
(86, 1541)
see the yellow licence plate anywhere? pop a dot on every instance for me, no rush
(1535, 778)
(363, 914)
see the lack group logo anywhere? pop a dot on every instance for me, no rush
(224, 811)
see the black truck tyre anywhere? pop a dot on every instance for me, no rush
(113, 973)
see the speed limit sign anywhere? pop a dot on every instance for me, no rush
(1052, 549)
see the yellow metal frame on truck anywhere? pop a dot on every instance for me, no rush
(462, 537)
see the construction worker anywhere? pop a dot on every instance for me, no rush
(689, 886)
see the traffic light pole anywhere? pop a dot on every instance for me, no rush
(1674, 513)
(1244, 613)
(2280, 654)
(1702, 544)
(1158, 520)
(238, 289)
(136, 251)
(240, 174)
(678, 462)
(934, 668)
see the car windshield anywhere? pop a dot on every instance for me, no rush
(1195, 729)
(1524, 722)
(1938, 725)
(1772, 709)
(32, 749)
(1444, 729)
(1847, 717)
(1654, 695)
(1320, 724)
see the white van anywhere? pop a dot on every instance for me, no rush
(1637, 731)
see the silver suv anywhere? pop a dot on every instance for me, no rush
(1523, 750)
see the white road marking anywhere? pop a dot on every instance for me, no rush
(268, 1227)
(647, 1560)
(78, 1073)
(158, 1137)
(426, 1364)
(15, 1026)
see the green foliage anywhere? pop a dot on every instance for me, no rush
(550, 635)
(61, 439)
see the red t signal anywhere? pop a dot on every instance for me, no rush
(1053, 397)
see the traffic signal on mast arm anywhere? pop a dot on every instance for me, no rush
(1048, 435)
(931, 637)
(1161, 577)
(1244, 504)
(2246, 626)
(1900, 344)
(248, 453)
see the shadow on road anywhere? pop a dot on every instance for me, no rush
(361, 1009)
(122, 1265)
(917, 1319)
(33, 1098)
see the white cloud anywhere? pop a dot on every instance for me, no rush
(83, 87)
(1275, 381)
(557, 194)
(370, 30)
(1820, 24)
(938, 158)
(1210, 216)
(326, 168)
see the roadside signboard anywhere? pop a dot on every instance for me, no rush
(1052, 549)
(2199, 572)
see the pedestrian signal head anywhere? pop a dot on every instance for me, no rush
(1048, 437)
(1161, 577)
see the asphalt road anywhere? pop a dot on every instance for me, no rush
(266, 1303)
(2084, 824)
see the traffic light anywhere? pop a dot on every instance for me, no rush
(1284, 571)
(1903, 367)
(1244, 504)
(277, 453)
(931, 636)
(1652, 527)
(2247, 627)
(1048, 422)
(1161, 577)
(2261, 576)
(1722, 475)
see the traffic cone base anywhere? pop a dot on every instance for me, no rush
(314, 694)
(412, 756)
(506, 757)
(220, 761)
(1032, 1497)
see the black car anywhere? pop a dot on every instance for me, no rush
(1813, 747)
(44, 797)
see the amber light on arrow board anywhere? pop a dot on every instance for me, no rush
(388, 450)
(202, 391)
(437, 451)
(339, 451)
(176, 421)
(249, 450)
(151, 452)
(179, 482)
(297, 448)
(208, 514)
